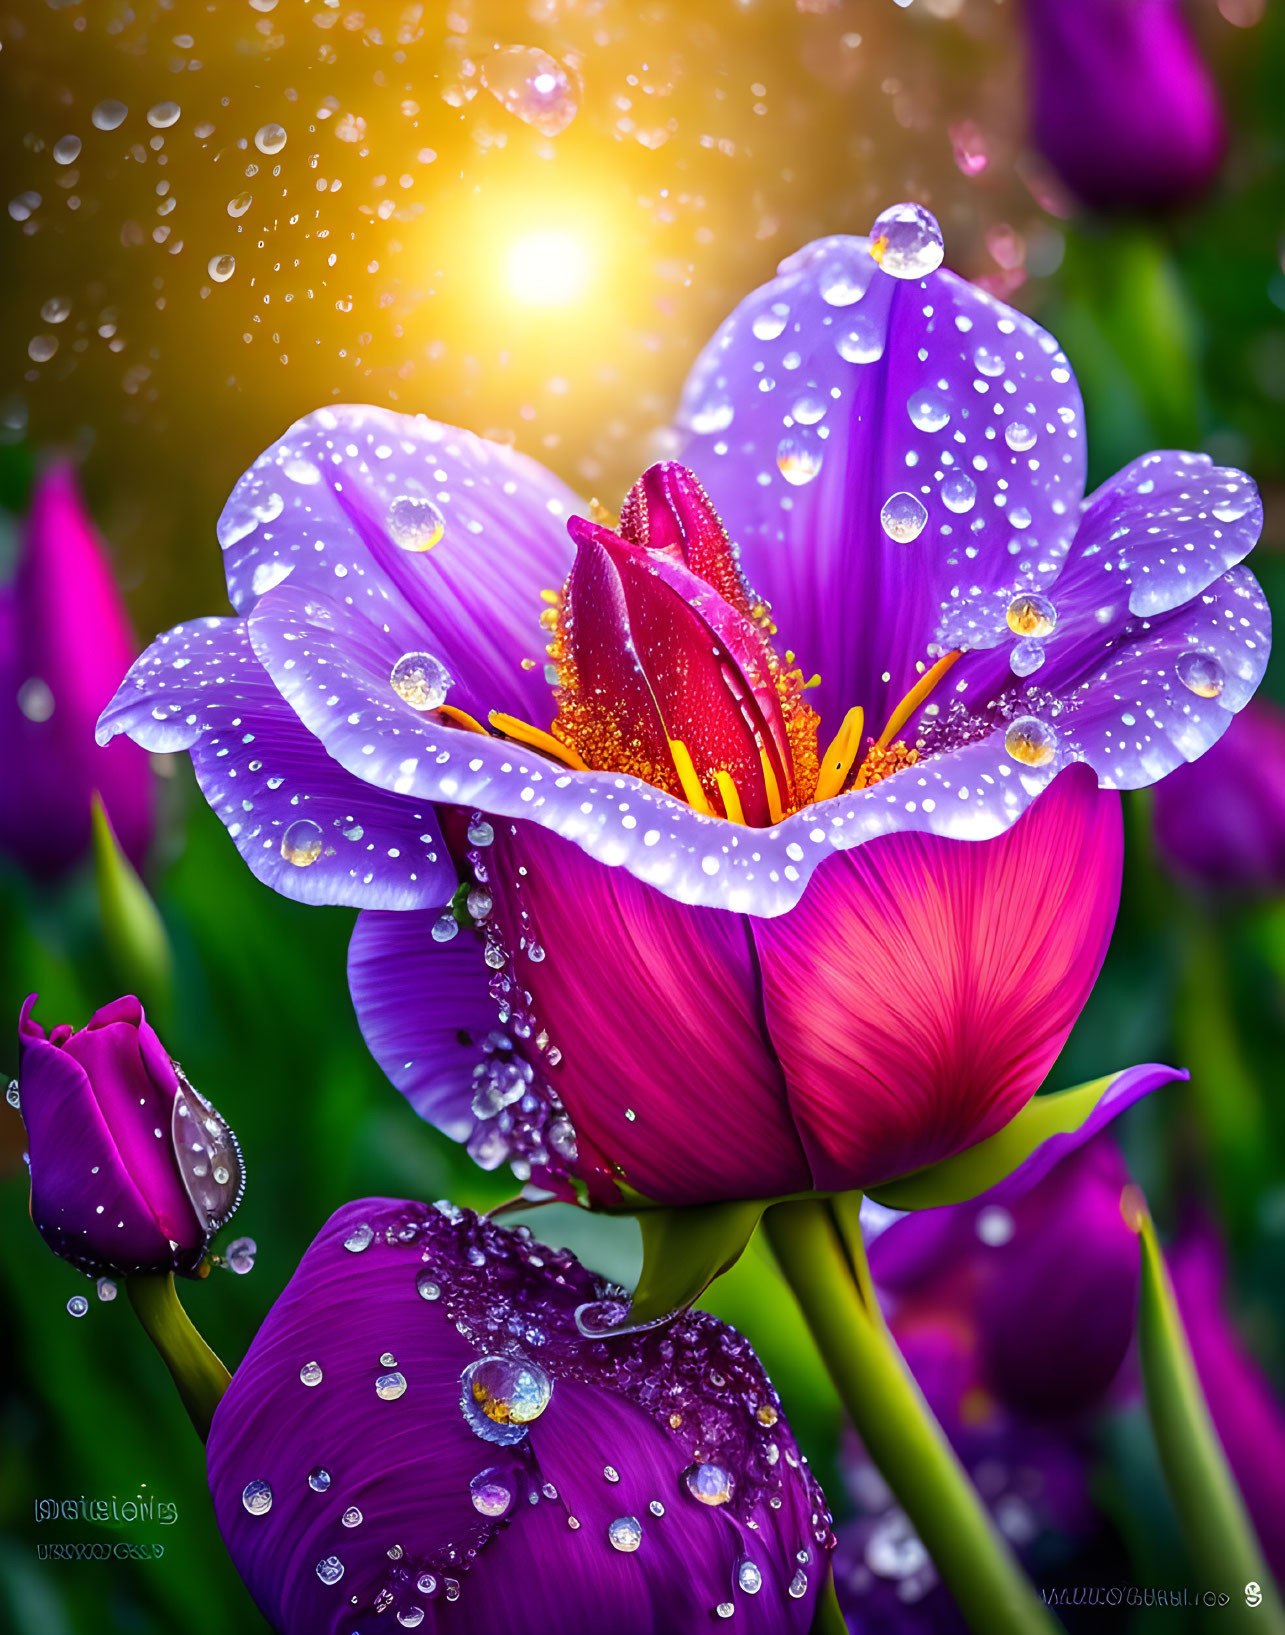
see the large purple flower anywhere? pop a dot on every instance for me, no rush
(900, 461)
(419, 1421)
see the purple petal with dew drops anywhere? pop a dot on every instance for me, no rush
(835, 388)
(305, 826)
(424, 1009)
(443, 537)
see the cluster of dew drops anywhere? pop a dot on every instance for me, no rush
(696, 1377)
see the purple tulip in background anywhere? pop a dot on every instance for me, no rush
(593, 744)
(419, 1421)
(1123, 106)
(131, 1169)
(1016, 1314)
(1222, 824)
(64, 637)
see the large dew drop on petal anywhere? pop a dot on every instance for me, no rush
(906, 241)
(500, 1396)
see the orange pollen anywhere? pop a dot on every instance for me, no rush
(882, 760)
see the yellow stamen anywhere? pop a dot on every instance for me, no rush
(731, 798)
(553, 597)
(915, 697)
(523, 732)
(837, 761)
(693, 793)
(459, 718)
(773, 788)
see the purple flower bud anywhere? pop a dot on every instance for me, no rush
(1122, 104)
(64, 638)
(131, 1169)
(1222, 824)
(421, 1420)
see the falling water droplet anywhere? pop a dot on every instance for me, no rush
(421, 680)
(66, 150)
(533, 86)
(903, 517)
(163, 115)
(240, 204)
(270, 138)
(221, 267)
(109, 114)
(906, 241)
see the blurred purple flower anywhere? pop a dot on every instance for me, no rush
(1123, 106)
(64, 637)
(1222, 823)
(900, 460)
(419, 1420)
(131, 1169)
(1016, 1314)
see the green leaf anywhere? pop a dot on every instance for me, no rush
(968, 1174)
(136, 938)
(685, 1249)
(1218, 1531)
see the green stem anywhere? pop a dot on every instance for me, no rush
(828, 1619)
(897, 1426)
(200, 1376)
(1214, 1520)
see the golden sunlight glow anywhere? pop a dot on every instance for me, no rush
(547, 267)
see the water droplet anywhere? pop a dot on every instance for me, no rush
(656, 1508)
(533, 86)
(414, 523)
(1031, 614)
(311, 1373)
(748, 1576)
(480, 832)
(40, 348)
(270, 138)
(1019, 436)
(11, 1094)
(66, 150)
(388, 1387)
(994, 1225)
(725, 1609)
(387, 1360)
(361, 1237)
(479, 903)
(766, 1414)
(106, 1289)
(163, 115)
(987, 362)
(770, 323)
(711, 1484)
(78, 1305)
(797, 461)
(109, 114)
(500, 1396)
(257, 1498)
(55, 309)
(927, 411)
(221, 267)
(714, 414)
(331, 1570)
(958, 492)
(490, 1492)
(808, 409)
(610, 1473)
(906, 241)
(427, 1286)
(301, 843)
(561, 1136)
(799, 1585)
(1030, 741)
(319, 1479)
(903, 517)
(426, 1584)
(411, 1617)
(625, 1533)
(1231, 509)
(446, 927)
(239, 205)
(351, 1517)
(421, 680)
(239, 1254)
(862, 341)
(1200, 673)
(1026, 657)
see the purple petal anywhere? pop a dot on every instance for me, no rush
(1125, 1088)
(305, 827)
(346, 502)
(966, 407)
(424, 1010)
